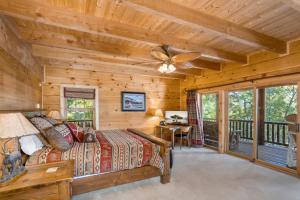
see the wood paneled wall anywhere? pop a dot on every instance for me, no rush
(20, 75)
(262, 65)
(161, 93)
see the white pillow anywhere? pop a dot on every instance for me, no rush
(30, 144)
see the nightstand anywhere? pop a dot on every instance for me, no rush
(47, 181)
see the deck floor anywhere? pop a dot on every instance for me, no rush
(276, 155)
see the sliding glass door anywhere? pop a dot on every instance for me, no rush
(276, 139)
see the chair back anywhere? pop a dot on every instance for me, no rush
(186, 129)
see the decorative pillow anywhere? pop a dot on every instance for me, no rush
(56, 136)
(76, 131)
(89, 138)
(30, 144)
(65, 132)
(40, 123)
(43, 140)
(89, 135)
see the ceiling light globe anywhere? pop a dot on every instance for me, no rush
(172, 68)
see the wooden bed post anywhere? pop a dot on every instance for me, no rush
(165, 154)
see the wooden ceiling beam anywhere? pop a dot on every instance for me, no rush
(203, 21)
(42, 12)
(202, 64)
(69, 39)
(93, 69)
(75, 57)
(64, 38)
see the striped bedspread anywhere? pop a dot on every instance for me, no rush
(115, 150)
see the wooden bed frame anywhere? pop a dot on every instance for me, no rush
(96, 182)
(90, 183)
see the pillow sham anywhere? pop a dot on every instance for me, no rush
(40, 123)
(30, 144)
(58, 137)
(76, 131)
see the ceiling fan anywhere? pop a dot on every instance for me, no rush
(169, 59)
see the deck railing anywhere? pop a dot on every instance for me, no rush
(274, 132)
(210, 129)
(244, 126)
(83, 123)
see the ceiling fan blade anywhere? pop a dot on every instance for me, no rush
(185, 57)
(148, 62)
(160, 54)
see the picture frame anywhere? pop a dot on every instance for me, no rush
(133, 101)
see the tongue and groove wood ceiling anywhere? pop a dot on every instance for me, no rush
(119, 34)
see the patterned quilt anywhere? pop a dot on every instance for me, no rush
(114, 150)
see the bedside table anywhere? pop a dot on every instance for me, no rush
(37, 183)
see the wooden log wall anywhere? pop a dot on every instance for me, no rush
(162, 93)
(20, 74)
(262, 65)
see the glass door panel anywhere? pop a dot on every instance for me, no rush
(210, 119)
(240, 125)
(276, 139)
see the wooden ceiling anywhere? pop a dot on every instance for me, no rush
(120, 34)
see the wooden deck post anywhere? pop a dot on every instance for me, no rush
(261, 117)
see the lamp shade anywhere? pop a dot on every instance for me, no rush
(15, 125)
(54, 114)
(158, 113)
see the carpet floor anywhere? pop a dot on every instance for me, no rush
(206, 175)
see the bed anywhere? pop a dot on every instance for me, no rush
(116, 157)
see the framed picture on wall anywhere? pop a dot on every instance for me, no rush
(133, 101)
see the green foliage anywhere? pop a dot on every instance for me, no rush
(209, 106)
(80, 109)
(240, 105)
(280, 101)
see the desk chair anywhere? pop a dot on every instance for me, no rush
(185, 133)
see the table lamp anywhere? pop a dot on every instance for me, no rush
(54, 114)
(13, 125)
(159, 113)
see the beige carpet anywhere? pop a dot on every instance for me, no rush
(203, 174)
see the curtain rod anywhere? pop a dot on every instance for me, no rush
(250, 80)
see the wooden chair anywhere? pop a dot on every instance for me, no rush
(185, 133)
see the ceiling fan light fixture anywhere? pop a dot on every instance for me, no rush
(166, 68)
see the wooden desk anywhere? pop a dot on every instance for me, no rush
(172, 129)
(38, 184)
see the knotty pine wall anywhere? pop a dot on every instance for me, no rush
(261, 65)
(161, 93)
(20, 75)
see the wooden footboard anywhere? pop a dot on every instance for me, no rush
(96, 182)
(101, 181)
(164, 153)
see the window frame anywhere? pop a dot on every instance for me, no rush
(96, 101)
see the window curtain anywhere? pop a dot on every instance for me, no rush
(195, 117)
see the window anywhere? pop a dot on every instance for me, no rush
(79, 105)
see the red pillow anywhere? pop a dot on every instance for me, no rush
(76, 131)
